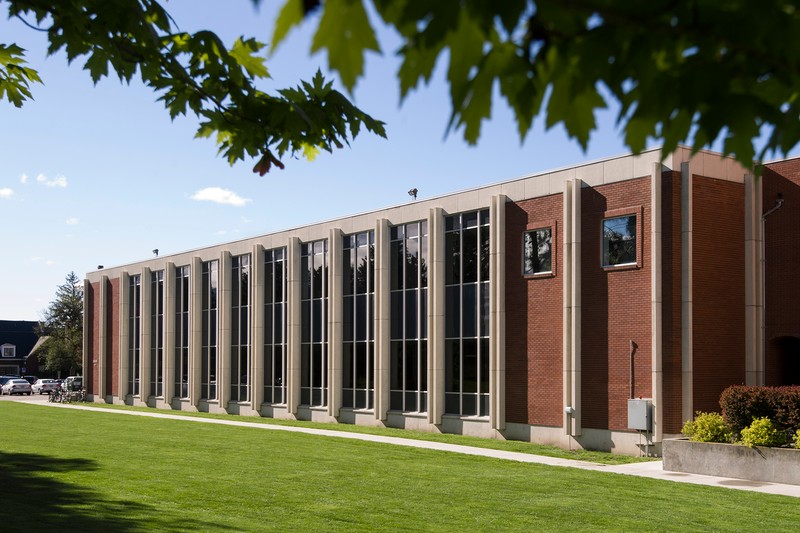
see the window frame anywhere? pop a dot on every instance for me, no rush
(636, 211)
(5, 347)
(552, 225)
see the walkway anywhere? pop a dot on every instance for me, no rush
(650, 469)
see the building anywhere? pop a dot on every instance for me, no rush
(17, 339)
(534, 309)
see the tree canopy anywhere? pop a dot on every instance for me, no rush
(62, 324)
(693, 72)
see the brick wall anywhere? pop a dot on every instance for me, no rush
(671, 304)
(534, 319)
(615, 310)
(718, 289)
(782, 266)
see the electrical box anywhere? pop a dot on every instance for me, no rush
(640, 414)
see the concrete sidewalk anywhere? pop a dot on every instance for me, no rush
(650, 469)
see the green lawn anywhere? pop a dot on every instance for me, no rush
(90, 471)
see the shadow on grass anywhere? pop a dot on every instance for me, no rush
(35, 500)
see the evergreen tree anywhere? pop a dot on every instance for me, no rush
(62, 324)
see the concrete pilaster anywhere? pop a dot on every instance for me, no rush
(124, 335)
(146, 311)
(224, 345)
(294, 333)
(571, 265)
(196, 325)
(436, 347)
(382, 319)
(497, 312)
(103, 340)
(335, 325)
(257, 281)
(753, 281)
(170, 287)
(656, 312)
(88, 318)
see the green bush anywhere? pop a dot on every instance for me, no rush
(707, 427)
(762, 432)
(797, 439)
(742, 404)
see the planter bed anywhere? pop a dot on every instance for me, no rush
(777, 465)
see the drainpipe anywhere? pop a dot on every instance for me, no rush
(778, 204)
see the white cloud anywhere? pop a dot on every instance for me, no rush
(72, 221)
(220, 196)
(58, 181)
(23, 178)
(6, 192)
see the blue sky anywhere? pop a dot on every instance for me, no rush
(99, 175)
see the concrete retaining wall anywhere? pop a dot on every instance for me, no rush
(778, 465)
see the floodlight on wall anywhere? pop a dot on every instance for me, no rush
(413, 193)
(99, 267)
(155, 252)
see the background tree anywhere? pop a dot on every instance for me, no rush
(62, 324)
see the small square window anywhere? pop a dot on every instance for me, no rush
(619, 241)
(9, 350)
(537, 255)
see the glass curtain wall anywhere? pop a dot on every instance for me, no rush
(157, 334)
(240, 328)
(134, 332)
(409, 311)
(314, 324)
(358, 359)
(467, 314)
(275, 351)
(208, 371)
(182, 332)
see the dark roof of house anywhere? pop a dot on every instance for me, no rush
(19, 333)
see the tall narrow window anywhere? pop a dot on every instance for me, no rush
(358, 361)
(275, 351)
(182, 332)
(208, 370)
(314, 324)
(467, 314)
(157, 334)
(409, 311)
(240, 328)
(134, 331)
(537, 252)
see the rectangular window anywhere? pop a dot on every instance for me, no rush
(536, 252)
(358, 268)
(182, 333)
(619, 241)
(208, 371)
(314, 324)
(275, 304)
(466, 306)
(9, 351)
(240, 328)
(157, 334)
(134, 331)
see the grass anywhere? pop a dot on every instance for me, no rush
(93, 471)
(477, 442)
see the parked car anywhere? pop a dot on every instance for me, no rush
(17, 386)
(73, 383)
(44, 386)
(4, 380)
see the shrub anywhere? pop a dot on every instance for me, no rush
(762, 432)
(707, 427)
(741, 405)
(797, 439)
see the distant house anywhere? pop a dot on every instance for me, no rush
(17, 339)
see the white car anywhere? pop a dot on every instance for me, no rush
(17, 386)
(44, 386)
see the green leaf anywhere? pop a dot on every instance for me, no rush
(346, 33)
(244, 52)
(290, 16)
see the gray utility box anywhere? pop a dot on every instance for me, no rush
(640, 414)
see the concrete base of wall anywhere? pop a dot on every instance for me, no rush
(776, 465)
(619, 442)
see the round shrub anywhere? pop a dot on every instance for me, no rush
(762, 432)
(797, 439)
(707, 427)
